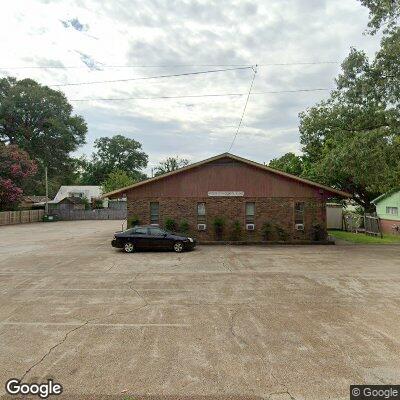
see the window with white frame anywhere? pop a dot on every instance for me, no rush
(154, 213)
(299, 212)
(201, 212)
(392, 210)
(250, 212)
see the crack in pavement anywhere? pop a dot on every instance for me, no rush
(244, 342)
(64, 339)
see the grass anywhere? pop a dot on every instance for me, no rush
(365, 239)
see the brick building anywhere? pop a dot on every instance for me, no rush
(252, 202)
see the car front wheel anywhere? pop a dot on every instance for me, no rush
(129, 247)
(178, 247)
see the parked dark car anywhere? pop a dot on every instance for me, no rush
(151, 238)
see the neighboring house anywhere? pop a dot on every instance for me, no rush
(89, 192)
(234, 189)
(32, 201)
(67, 203)
(388, 210)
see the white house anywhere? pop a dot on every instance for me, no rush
(89, 192)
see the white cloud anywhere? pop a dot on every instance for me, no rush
(171, 32)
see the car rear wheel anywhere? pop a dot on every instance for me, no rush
(178, 247)
(129, 247)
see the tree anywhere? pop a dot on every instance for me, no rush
(112, 154)
(15, 167)
(289, 163)
(352, 140)
(170, 164)
(382, 13)
(117, 180)
(40, 121)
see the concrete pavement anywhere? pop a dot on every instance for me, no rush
(280, 322)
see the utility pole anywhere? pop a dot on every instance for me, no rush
(46, 208)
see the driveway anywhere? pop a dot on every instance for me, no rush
(279, 322)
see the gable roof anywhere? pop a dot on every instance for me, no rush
(384, 195)
(89, 191)
(233, 157)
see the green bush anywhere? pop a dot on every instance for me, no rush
(170, 225)
(318, 232)
(236, 232)
(281, 233)
(218, 225)
(133, 221)
(97, 203)
(184, 227)
(266, 231)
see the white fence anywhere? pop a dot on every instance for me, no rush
(20, 217)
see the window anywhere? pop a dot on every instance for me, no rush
(299, 213)
(392, 210)
(250, 211)
(154, 212)
(140, 231)
(201, 212)
(156, 231)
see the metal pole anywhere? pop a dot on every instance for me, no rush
(46, 209)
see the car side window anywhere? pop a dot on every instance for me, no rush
(140, 231)
(156, 231)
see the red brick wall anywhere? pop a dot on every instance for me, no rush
(277, 211)
(387, 224)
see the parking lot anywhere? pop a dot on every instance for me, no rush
(278, 322)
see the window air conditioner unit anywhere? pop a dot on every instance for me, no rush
(299, 227)
(250, 227)
(201, 227)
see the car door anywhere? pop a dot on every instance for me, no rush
(140, 237)
(158, 238)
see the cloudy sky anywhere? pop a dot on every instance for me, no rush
(125, 39)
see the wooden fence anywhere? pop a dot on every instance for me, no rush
(97, 214)
(20, 217)
(372, 225)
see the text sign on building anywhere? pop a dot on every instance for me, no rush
(225, 194)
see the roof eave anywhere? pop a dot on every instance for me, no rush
(328, 189)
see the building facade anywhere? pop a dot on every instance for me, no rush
(230, 198)
(387, 209)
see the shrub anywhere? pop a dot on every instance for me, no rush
(218, 224)
(170, 225)
(86, 203)
(236, 232)
(97, 203)
(318, 232)
(281, 233)
(266, 231)
(133, 221)
(184, 226)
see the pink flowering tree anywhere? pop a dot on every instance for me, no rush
(15, 167)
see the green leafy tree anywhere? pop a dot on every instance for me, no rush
(289, 163)
(40, 121)
(169, 165)
(382, 13)
(116, 180)
(352, 140)
(114, 153)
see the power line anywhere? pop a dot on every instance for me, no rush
(151, 77)
(244, 109)
(202, 95)
(167, 66)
